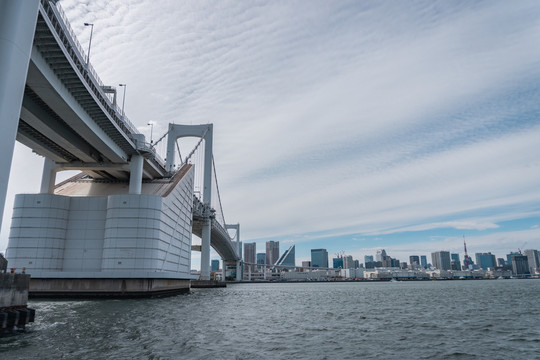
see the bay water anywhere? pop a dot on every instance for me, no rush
(474, 319)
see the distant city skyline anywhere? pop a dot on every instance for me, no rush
(442, 260)
(398, 253)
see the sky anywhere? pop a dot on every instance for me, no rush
(346, 125)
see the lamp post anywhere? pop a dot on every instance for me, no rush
(89, 42)
(151, 131)
(124, 98)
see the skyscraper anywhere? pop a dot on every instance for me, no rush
(379, 256)
(272, 252)
(414, 260)
(485, 260)
(337, 263)
(509, 257)
(319, 258)
(520, 265)
(287, 258)
(215, 265)
(455, 264)
(533, 258)
(423, 261)
(261, 259)
(368, 259)
(250, 249)
(348, 262)
(441, 260)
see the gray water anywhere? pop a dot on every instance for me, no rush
(487, 319)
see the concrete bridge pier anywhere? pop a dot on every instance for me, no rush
(136, 174)
(223, 270)
(238, 270)
(17, 26)
(48, 178)
(205, 250)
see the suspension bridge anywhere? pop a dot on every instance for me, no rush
(124, 224)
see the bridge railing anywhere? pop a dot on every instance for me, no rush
(78, 55)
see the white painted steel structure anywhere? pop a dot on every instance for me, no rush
(56, 104)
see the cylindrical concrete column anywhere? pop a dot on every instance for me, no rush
(135, 176)
(48, 178)
(223, 272)
(205, 250)
(17, 26)
(238, 270)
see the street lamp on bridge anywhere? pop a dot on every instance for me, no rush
(124, 98)
(151, 123)
(89, 42)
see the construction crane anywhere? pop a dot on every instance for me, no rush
(522, 246)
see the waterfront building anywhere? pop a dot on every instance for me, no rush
(357, 264)
(250, 249)
(455, 257)
(455, 263)
(414, 260)
(534, 260)
(501, 262)
(215, 265)
(261, 258)
(272, 252)
(348, 262)
(381, 253)
(319, 258)
(373, 264)
(441, 260)
(485, 260)
(509, 257)
(306, 264)
(423, 261)
(520, 265)
(288, 257)
(337, 263)
(368, 258)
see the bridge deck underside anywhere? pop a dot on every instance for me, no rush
(219, 240)
(66, 116)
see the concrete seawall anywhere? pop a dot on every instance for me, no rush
(103, 288)
(14, 290)
(14, 314)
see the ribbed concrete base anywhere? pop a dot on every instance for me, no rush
(109, 288)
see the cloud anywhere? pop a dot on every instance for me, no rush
(339, 118)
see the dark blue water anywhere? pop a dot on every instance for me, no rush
(488, 319)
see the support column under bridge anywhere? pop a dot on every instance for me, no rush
(17, 27)
(238, 263)
(204, 132)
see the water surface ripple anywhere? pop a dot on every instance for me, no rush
(482, 319)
